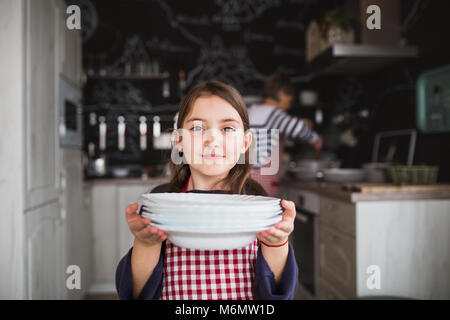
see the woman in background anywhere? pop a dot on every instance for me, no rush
(269, 147)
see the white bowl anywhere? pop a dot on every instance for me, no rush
(211, 209)
(208, 199)
(208, 241)
(215, 223)
(213, 212)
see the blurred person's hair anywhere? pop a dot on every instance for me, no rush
(276, 83)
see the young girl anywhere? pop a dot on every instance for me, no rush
(215, 134)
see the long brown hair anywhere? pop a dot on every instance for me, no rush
(239, 176)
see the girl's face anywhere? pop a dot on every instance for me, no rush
(213, 136)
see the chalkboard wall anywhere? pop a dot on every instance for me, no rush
(242, 42)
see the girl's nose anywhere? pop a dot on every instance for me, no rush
(211, 136)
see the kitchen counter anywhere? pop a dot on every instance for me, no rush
(336, 191)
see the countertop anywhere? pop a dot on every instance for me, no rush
(331, 190)
(336, 191)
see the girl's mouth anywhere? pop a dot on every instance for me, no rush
(212, 156)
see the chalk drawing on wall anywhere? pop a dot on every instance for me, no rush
(233, 13)
(260, 37)
(118, 92)
(197, 21)
(165, 45)
(228, 64)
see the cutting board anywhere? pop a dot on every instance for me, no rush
(390, 188)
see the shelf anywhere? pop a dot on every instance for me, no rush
(159, 76)
(358, 58)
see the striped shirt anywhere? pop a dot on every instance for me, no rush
(263, 119)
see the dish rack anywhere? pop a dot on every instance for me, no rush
(422, 174)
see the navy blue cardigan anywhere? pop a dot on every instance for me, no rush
(264, 286)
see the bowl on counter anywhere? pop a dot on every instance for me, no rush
(377, 171)
(343, 175)
(307, 170)
(120, 172)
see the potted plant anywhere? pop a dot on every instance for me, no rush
(337, 27)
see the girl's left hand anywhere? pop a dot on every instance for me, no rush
(281, 231)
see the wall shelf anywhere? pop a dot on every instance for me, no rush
(158, 76)
(357, 58)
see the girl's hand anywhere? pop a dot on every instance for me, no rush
(139, 227)
(281, 231)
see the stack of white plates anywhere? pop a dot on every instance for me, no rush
(210, 221)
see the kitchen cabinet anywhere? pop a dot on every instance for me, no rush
(390, 245)
(45, 244)
(40, 101)
(111, 236)
(36, 175)
(45, 229)
(77, 219)
(337, 268)
(338, 214)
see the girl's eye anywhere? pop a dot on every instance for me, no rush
(196, 128)
(230, 129)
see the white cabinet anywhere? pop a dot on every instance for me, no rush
(77, 219)
(41, 101)
(111, 236)
(402, 246)
(45, 266)
(337, 265)
(34, 231)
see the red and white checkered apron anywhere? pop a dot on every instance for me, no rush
(270, 183)
(191, 274)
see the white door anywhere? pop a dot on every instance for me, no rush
(41, 101)
(44, 221)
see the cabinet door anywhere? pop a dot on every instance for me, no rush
(104, 232)
(337, 260)
(338, 215)
(327, 292)
(45, 253)
(77, 218)
(41, 101)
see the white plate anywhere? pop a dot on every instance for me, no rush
(207, 241)
(214, 230)
(215, 223)
(214, 211)
(201, 217)
(193, 207)
(209, 199)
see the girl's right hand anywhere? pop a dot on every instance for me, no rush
(138, 225)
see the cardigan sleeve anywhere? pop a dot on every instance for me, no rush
(265, 288)
(124, 282)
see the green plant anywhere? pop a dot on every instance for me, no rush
(344, 19)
